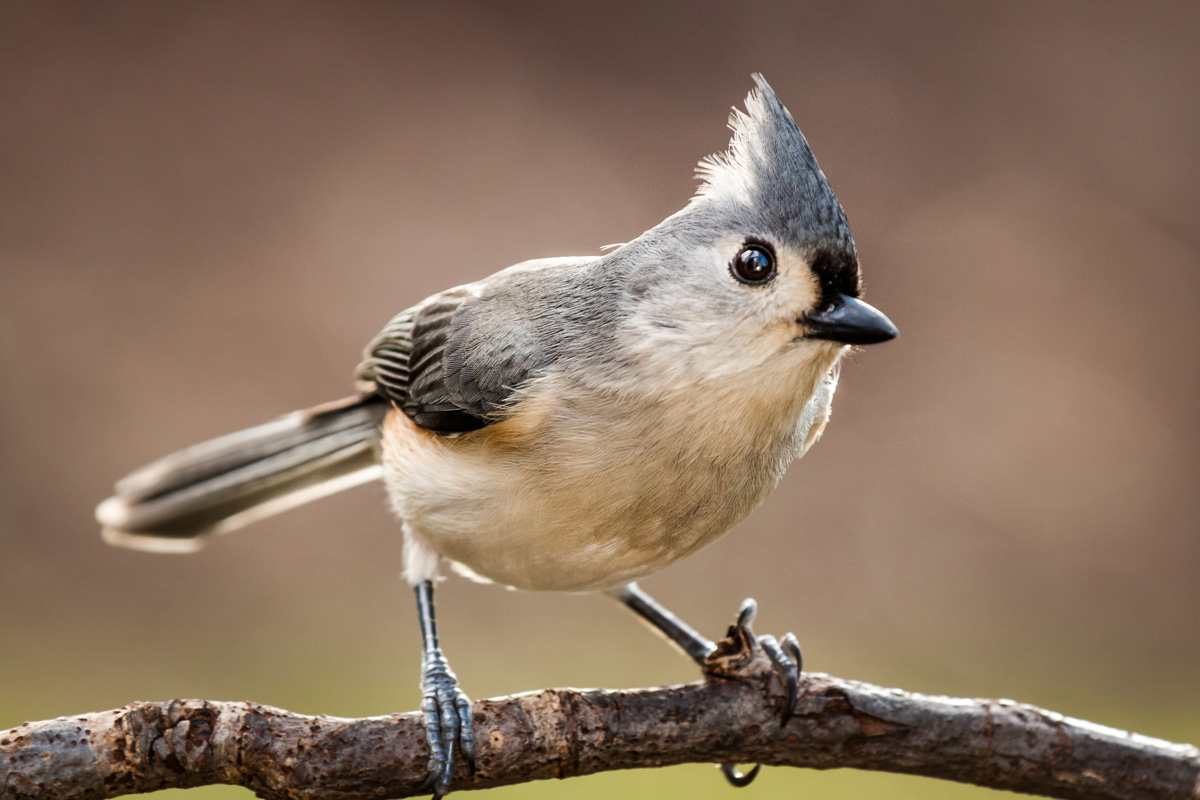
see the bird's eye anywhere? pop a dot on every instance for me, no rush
(754, 265)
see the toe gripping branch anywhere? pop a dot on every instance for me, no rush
(786, 658)
(784, 654)
(446, 710)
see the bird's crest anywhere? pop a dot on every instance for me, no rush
(769, 167)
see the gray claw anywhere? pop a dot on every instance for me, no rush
(466, 735)
(738, 779)
(787, 664)
(792, 646)
(746, 616)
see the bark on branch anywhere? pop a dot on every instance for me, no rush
(733, 716)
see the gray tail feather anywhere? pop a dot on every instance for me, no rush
(217, 486)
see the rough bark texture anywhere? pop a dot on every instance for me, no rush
(734, 716)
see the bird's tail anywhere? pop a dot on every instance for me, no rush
(174, 504)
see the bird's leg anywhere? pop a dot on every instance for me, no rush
(678, 632)
(446, 710)
(784, 654)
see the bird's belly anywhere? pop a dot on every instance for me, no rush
(564, 559)
(580, 534)
(590, 522)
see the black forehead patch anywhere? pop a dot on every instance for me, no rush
(837, 270)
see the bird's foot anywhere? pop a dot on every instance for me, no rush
(448, 726)
(735, 655)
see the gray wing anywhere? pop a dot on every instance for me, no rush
(452, 362)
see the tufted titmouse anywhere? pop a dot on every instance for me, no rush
(571, 424)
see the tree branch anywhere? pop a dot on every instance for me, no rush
(733, 716)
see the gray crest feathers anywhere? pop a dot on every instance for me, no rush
(770, 169)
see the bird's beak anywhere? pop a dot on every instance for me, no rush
(849, 321)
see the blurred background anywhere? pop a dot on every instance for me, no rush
(207, 209)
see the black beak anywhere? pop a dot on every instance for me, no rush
(849, 321)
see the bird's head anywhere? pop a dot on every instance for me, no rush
(761, 261)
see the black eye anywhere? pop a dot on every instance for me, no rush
(754, 264)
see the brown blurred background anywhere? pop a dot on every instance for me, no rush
(207, 209)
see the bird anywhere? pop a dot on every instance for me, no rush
(571, 424)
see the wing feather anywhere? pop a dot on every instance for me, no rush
(453, 362)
